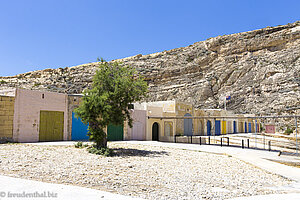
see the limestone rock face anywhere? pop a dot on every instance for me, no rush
(259, 69)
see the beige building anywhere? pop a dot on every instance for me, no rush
(165, 119)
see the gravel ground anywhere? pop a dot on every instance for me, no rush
(141, 170)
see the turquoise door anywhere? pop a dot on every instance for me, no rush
(114, 133)
(79, 129)
(218, 127)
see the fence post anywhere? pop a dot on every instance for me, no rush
(227, 141)
(175, 138)
(221, 141)
(248, 143)
(191, 139)
(200, 141)
(269, 145)
(242, 144)
(208, 139)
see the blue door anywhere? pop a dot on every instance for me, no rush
(79, 129)
(218, 127)
(245, 127)
(188, 125)
(234, 126)
(208, 124)
(249, 128)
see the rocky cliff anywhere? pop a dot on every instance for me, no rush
(259, 69)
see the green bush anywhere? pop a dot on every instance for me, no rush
(78, 145)
(101, 151)
(3, 82)
(288, 131)
(86, 145)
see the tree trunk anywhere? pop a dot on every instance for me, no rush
(98, 135)
(101, 143)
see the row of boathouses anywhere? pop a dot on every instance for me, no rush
(33, 116)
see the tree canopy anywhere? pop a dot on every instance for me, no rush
(115, 86)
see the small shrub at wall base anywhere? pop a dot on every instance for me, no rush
(3, 82)
(78, 145)
(100, 151)
(288, 131)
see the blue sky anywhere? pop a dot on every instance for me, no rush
(39, 34)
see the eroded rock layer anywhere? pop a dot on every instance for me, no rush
(259, 69)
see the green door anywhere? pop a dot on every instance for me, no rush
(114, 133)
(51, 126)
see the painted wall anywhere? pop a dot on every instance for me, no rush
(28, 105)
(6, 118)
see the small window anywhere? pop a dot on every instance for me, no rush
(43, 96)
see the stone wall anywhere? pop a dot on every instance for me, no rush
(6, 118)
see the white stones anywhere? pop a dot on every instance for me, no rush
(151, 173)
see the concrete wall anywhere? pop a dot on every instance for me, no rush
(28, 105)
(6, 118)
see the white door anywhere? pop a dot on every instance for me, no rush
(138, 131)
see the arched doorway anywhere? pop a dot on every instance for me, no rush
(208, 125)
(188, 125)
(155, 131)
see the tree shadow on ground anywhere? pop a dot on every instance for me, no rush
(126, 152)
